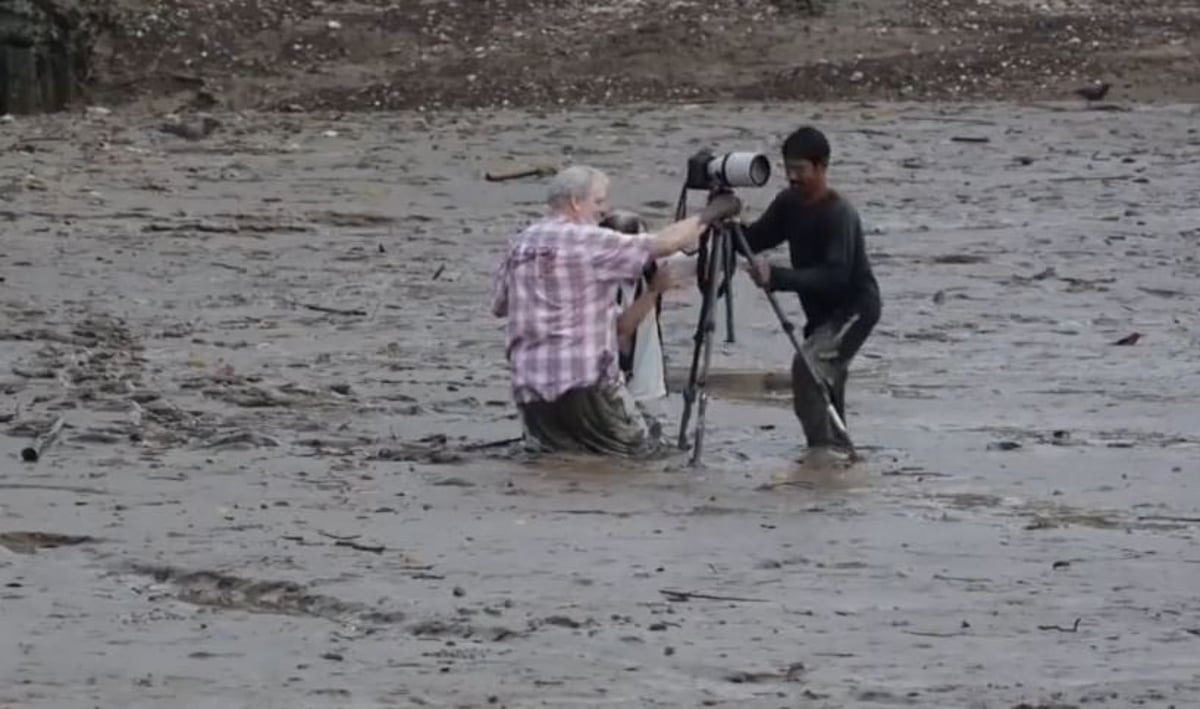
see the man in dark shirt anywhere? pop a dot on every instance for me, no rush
(830, 272)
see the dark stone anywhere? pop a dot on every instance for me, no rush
(45, 53)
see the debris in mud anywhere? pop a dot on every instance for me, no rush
(242, 440)
(350, 219)
(254, 224)
(414, 453)
(793, 673)
(683, 596)
(373, 548)
(883, 696)
(1169, 518)
(224, 591)
(1130, 339)
(48, 335)
(959, 259)
(30, 542)
(33, 453)
(254, 397)
(349, 542)
(1071, 629)
(916, 472)
(516, 172)
(353, 312)
(438, 449)
(454, 481)
(562, 621)
(201, 227)
(459, 629)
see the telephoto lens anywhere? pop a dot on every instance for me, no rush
(708, 171)
(740, 169)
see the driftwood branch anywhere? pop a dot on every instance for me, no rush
(679, 596)
(516, 173)
(1073, 629)
(336, 311)
(31, 454)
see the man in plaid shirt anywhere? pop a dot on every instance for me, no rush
(557, 286)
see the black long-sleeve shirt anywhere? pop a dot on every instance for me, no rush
(830, 269)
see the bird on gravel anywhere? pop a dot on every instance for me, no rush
(1095, 92)
(191, 131)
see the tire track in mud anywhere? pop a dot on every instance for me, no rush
(228, 592)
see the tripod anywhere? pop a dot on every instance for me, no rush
(718, 269)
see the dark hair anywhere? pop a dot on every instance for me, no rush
(624, 221)
(807, 143)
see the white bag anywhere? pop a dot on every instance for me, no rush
(648, 375)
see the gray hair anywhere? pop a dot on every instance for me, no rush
(573, 183)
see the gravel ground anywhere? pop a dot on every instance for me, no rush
(307, 54)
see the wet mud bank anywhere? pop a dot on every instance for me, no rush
(279, 475)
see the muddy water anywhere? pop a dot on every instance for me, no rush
(269, 349)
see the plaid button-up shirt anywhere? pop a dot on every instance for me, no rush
(557, 285)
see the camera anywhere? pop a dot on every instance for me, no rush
(708, 171)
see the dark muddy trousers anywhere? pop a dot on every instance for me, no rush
(830, 347)
(603, 419)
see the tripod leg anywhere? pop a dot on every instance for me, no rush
(689, 390)
(702, 327)
(703, 340)
(728, 268)
(719, 246)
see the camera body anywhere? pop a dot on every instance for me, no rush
(709, 171)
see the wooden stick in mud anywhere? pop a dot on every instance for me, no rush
(516, 173)
(335, 311)
(31, 454)
(673, 595)
(492, 444)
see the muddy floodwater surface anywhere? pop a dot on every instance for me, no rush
(274, 482)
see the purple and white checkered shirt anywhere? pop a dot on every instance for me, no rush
(557, 285)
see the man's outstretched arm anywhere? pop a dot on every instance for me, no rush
(685, 234)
